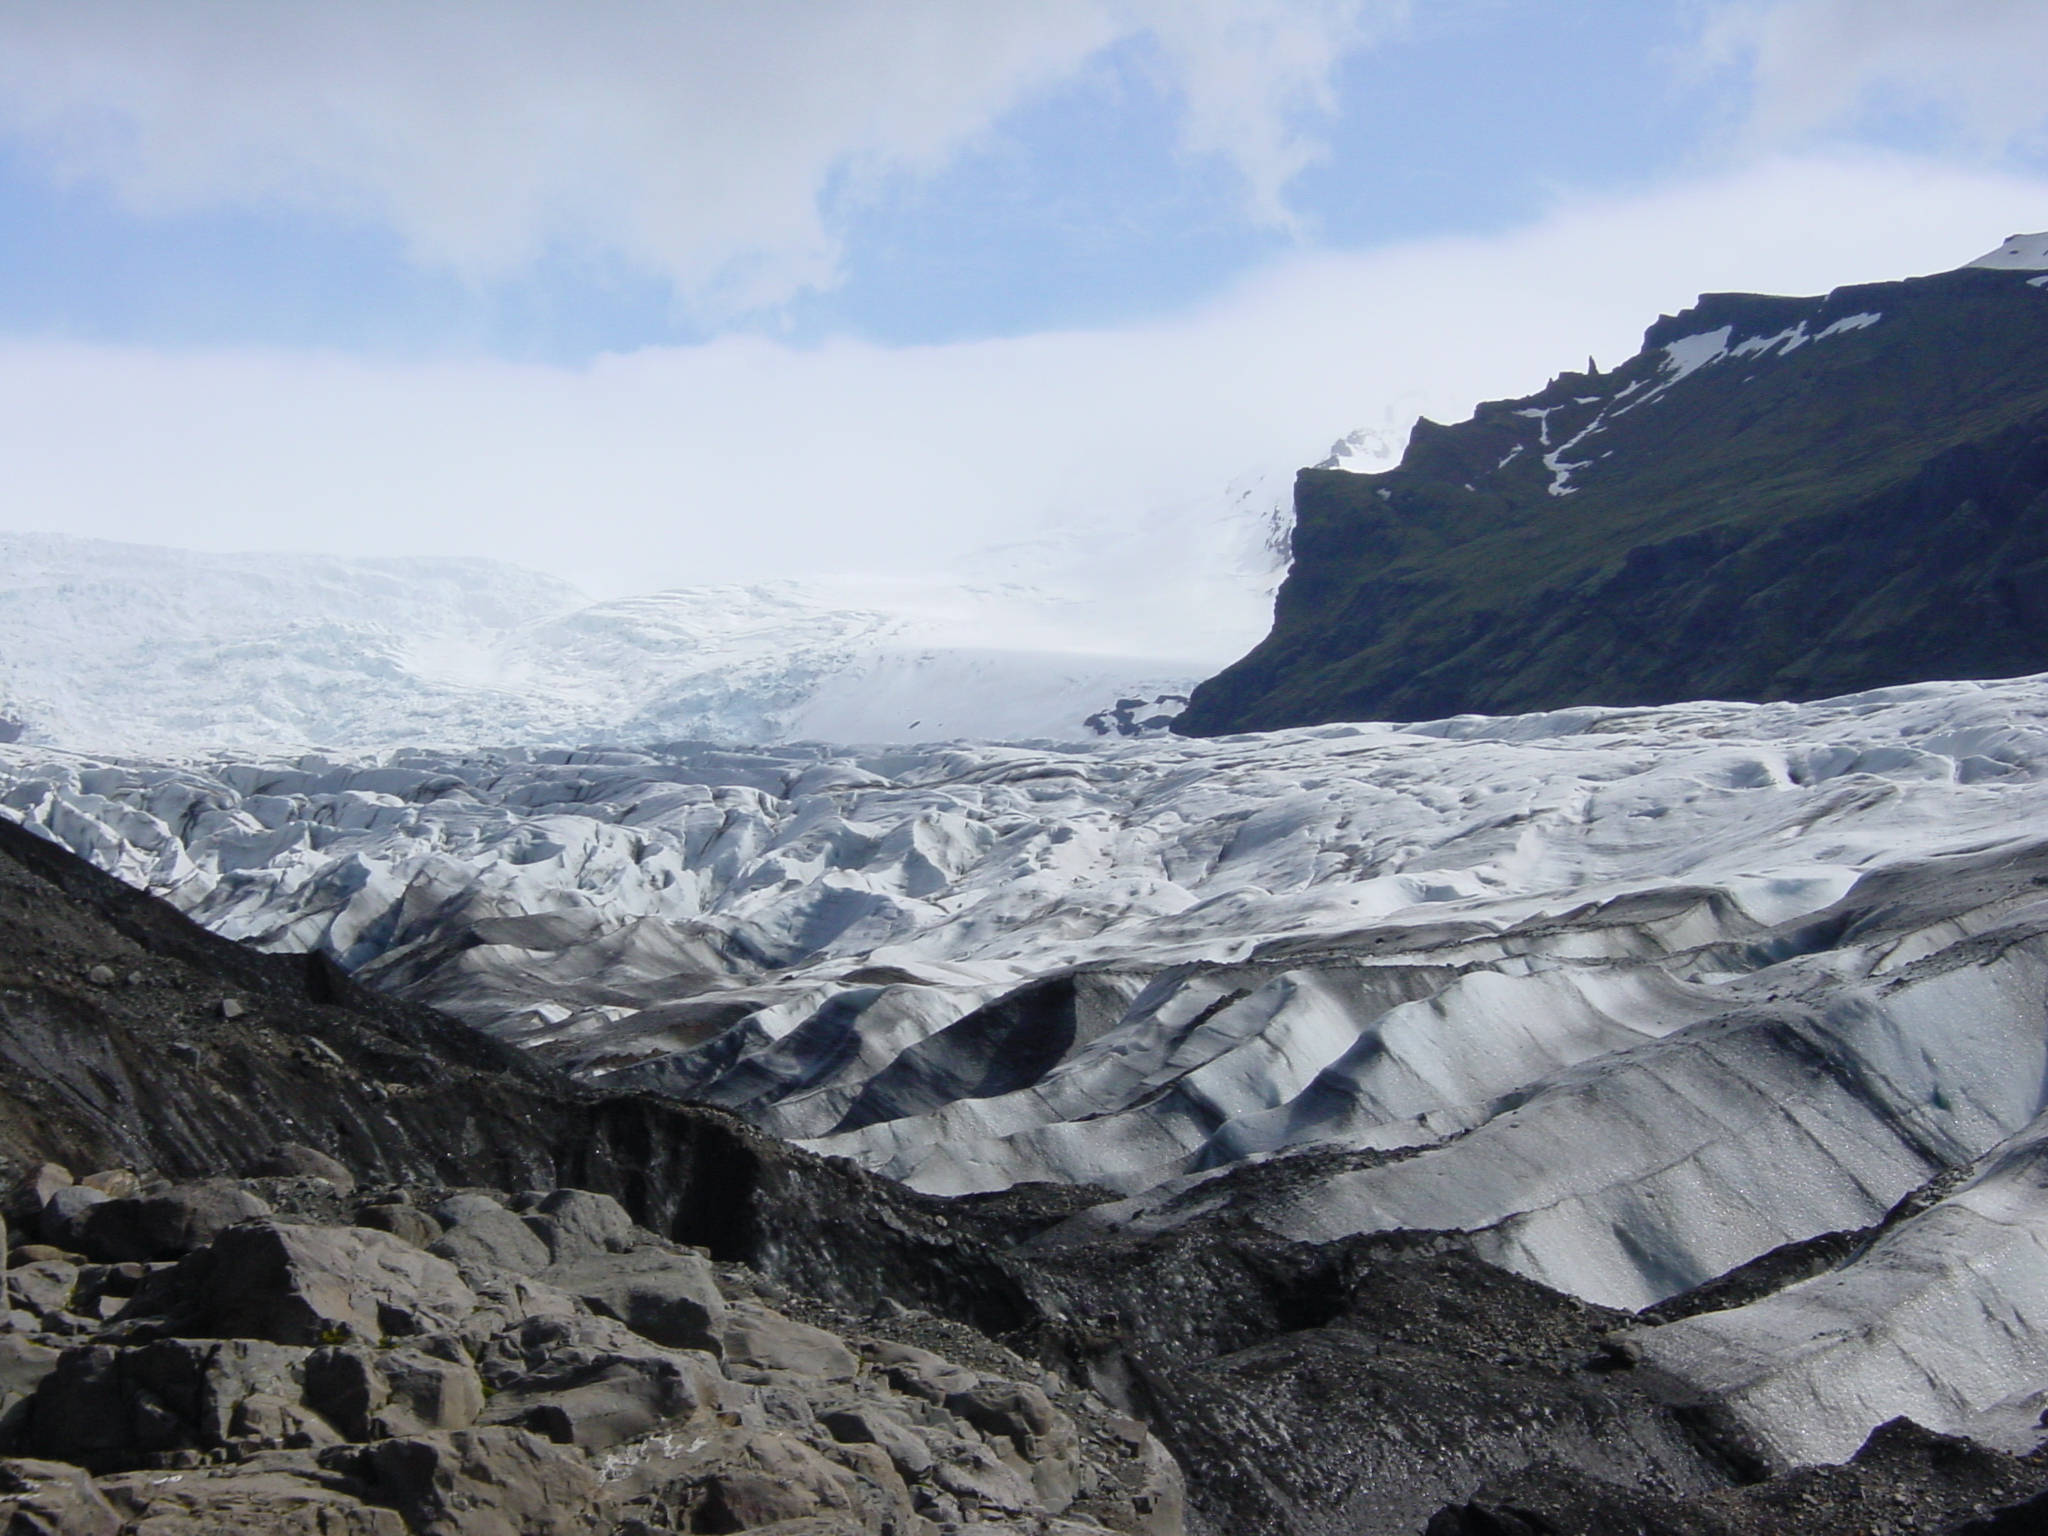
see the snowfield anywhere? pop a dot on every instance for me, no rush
(167, 652)
(1627, 997)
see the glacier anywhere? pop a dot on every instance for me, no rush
(1623, 999)
(164, 652)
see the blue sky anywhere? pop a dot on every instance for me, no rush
(1078, 205)
(611, 254)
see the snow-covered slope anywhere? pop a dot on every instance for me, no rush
(2021, 253)
(164, 652)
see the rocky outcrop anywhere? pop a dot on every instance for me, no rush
(288, 1374)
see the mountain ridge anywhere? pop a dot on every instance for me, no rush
(1776, 498)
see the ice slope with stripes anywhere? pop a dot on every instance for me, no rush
(1628, 998)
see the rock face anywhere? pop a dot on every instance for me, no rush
(287, 1375)
(1776, 499)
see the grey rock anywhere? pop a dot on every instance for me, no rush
(408, 1222)
(482, 1482)
(457, 1209)
(101, 975)
(23, 1364)
(44, 1498)
(32, 1191)
(576, 1223)
(44, 1286)
(737, 1480)
(867, 1425)
(1044, 1441)
(755, 1337)
(318, 1285)
(175, 1394)
(491, 1238)
(505, 1299)
(369, 1393)
(61, 1214)
(291, 1160)
(671, 1298)
(165, 1225)
(920, 1373)
(278, 1494)
(591, 1382)
(427, 1393)
(971, 1472)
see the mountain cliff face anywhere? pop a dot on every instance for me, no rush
(1777, 498)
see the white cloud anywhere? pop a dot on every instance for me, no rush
(745, 459)
(1819, 64)
(692, 139)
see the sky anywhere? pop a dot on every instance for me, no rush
(652, 293)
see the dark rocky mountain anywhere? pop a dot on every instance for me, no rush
(1777, 498)
(352, 1267)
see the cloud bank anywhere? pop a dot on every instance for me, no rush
(1824, 64)
(704, 143)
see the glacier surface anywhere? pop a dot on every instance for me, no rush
(163, 652)
(1624, 999)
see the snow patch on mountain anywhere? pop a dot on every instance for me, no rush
(2020, 253)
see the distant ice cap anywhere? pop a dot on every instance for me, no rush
(2020, 253)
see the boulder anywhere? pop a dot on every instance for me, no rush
(317, 1285)
(67, 1206)
(456, 1209)
(1045, 1444)
(45, 1498)
(479, 1482)
(370, 1393)
(104, 1404)
(407, 1222)
(739, 1480)
(918, 1372)
(23, 1365)
(752, 1337)
(670, 1298)
(32, 1191)
(576, 1223)
(291, 1160)
(591, 1382)
(491, 1237)
(44, 1286)
(504, 1299)
(31, 1253)
(868, 1425)
(167, 1225)
(971, 1472)
(279, 1494)
(114, 1183)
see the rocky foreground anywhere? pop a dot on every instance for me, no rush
(338, 1263)
(291, 1354)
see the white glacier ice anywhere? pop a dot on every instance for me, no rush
(1586, 977)
(161, 651)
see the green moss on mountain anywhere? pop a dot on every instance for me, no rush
(1867, 508)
